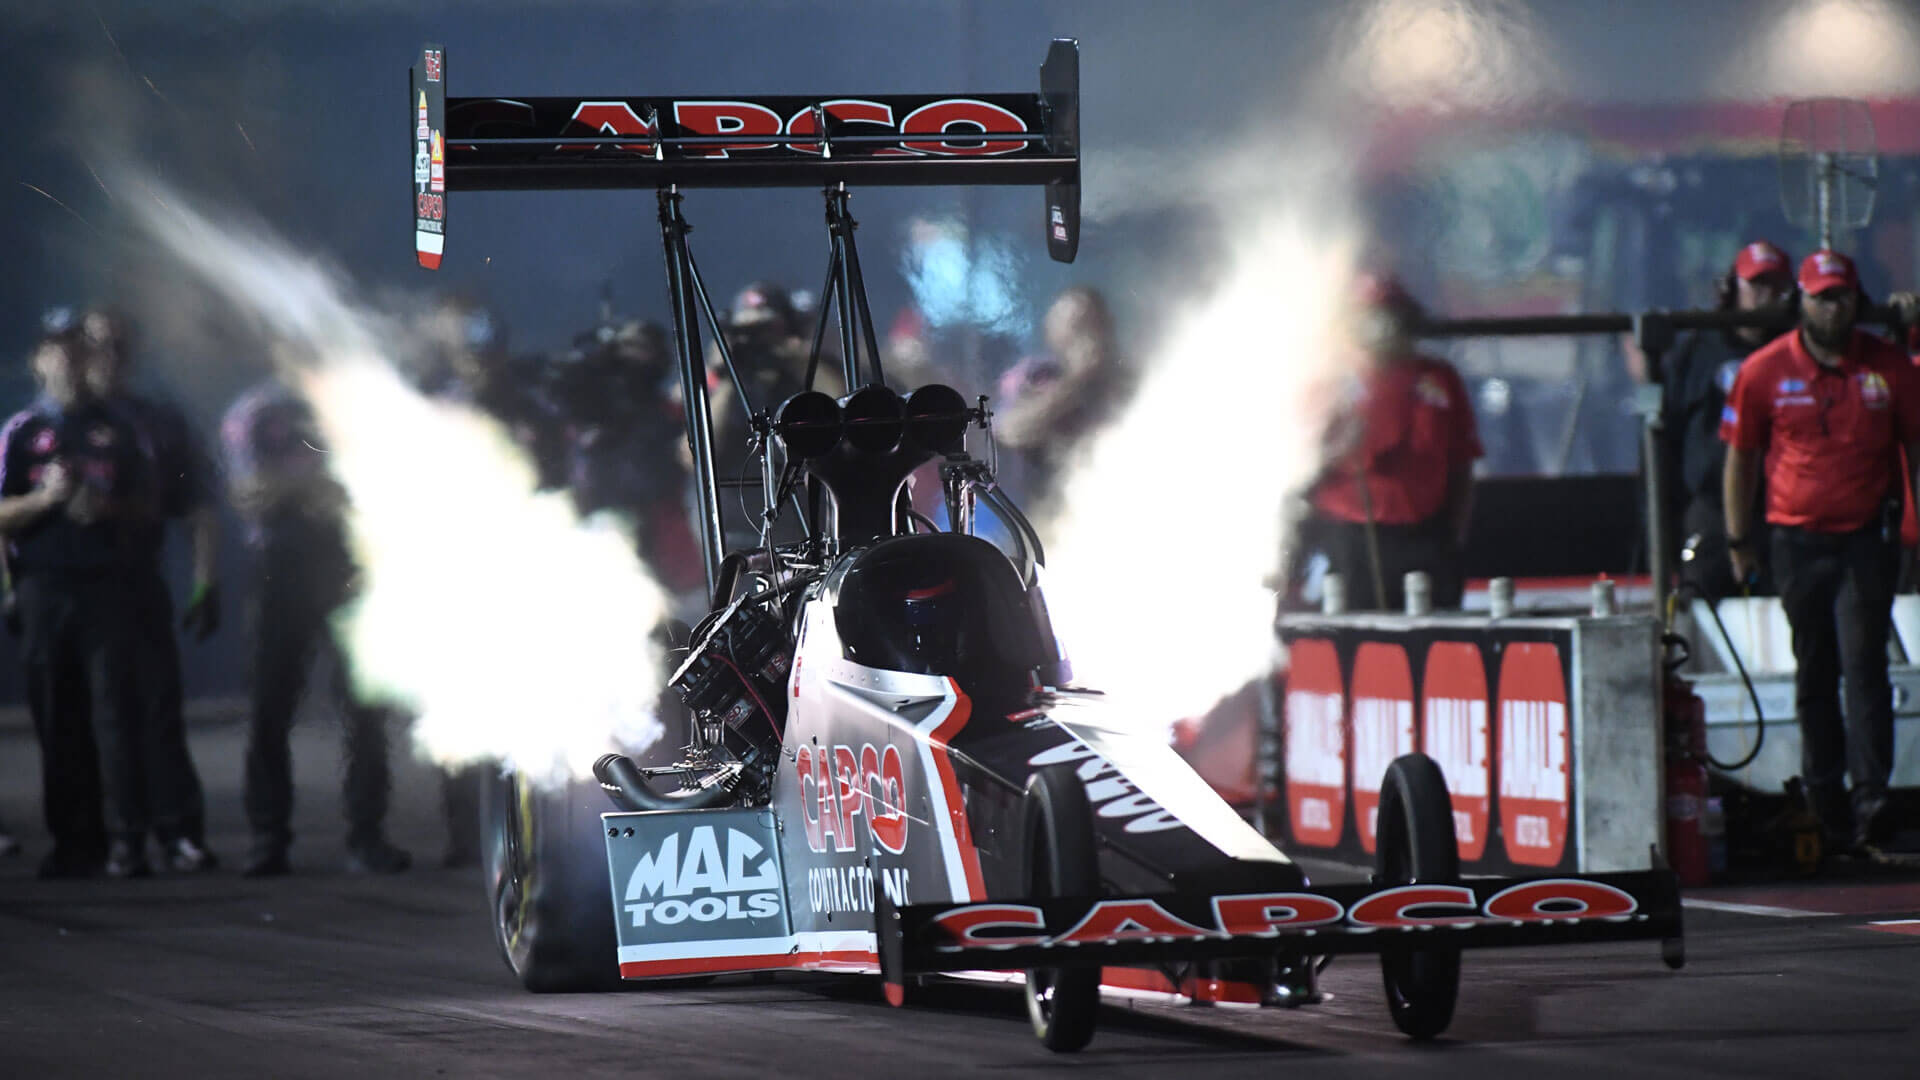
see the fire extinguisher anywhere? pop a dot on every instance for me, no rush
(1686, 760)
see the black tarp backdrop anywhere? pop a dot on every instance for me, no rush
(288, 112)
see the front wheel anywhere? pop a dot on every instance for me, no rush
(1063, 1003)
(1415, 843)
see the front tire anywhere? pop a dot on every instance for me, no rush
(545, 868)
(1063, 1003)
(1415, 843)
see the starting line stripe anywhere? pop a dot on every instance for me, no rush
(1751, 909)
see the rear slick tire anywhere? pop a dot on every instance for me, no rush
(1063, 1003)
(545, 870)
(1415, 843)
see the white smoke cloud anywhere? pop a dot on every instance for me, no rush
(1160, 567)
(514, 630)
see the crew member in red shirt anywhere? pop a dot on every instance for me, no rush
(1402, 463)
(1828, 409)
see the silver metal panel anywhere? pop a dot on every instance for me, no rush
(1617, 749)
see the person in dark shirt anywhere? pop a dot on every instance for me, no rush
(1700, 371)
(184, 479)
(295, 511)
(76, 495)
(465, 359)
(626, 434)
(769, 339)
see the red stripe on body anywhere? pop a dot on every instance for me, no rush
(955, 722)
(842, 961)
(859, 961)
(703, 965)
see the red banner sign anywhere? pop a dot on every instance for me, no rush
(1454, 731)
(1382, 726)
(1535, 754)
(1316, 753)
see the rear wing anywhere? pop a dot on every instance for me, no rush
(541, 143)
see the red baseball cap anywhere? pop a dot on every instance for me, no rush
(1824, 270)
(1759, 259)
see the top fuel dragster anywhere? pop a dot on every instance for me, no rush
(886, 770)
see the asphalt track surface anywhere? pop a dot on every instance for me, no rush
(328, 975)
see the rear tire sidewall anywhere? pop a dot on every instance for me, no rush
(545, 869)
(1415, 842)
(1062, 861)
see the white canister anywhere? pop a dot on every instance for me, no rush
(1500, 597)
(1419, 589)
(1333, 595)
(1603, 601)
